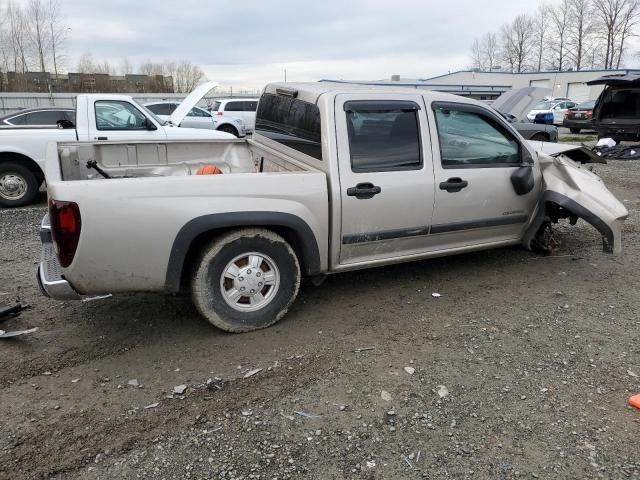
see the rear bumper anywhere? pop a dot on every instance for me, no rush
(619, 132)
(50, 277)
(569, 123)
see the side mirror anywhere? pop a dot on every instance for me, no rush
(522, 179)
(149, 125)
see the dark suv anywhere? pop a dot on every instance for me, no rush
(617, 111)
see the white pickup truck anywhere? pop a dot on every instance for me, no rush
(99, 117)
(336, 178)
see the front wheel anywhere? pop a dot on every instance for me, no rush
(229, 129)
(18, 185)
(246, 280)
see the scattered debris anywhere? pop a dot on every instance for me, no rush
(306, 415)
(619, 152)
(180, 389)
(17, 333)
(634, 401)
(133, 382)
(364, 349)
(418, 456)
(75, 380)
(386, 396)
(632, 374)
(153, 405)
(9, 312)
(442, 391)
(408, 462)
(606, 142)
(288, 417)
(251, 373)
(436, 295)
(409, 370)
(97, 297)
(371, 464)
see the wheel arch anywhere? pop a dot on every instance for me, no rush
(28, 162)
(197, 233)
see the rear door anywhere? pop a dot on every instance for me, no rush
(386, 176)
(475, 202)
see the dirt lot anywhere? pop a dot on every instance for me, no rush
(538, 354)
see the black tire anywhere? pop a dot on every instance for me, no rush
(15, 176)
(208, 281)
(575, 130)
(229, 129)
(540, 137)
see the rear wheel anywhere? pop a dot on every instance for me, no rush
(229, 129)
(540, 137)
(18, 185)
(246, 280)
(574, 130)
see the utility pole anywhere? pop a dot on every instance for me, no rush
(285, 75)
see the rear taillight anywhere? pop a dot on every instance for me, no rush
(588, 113)
(65, 229)
(219, 113)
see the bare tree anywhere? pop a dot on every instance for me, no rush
(580, 30)
(490, 49)
(37, 24)
(610, 13)
(477, 58)
(187, 77)
(58, 34)
(151, 68)
(630, 18)
(560, 16)
(517, 42)
(104, 67)
(125, 66)
(18, 38)
(86, 63)
(541, 26)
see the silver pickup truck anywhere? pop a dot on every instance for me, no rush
(336, 178)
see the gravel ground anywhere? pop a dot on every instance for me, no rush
(521, 369)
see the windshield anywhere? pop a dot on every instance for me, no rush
(154, 116)
(543, 106)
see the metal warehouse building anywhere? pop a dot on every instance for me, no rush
(490, 85)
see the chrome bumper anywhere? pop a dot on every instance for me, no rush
(50, 277)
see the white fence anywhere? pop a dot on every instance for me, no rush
(10, 102)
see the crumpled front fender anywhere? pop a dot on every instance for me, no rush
(582, 194)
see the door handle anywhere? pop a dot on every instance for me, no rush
(363, 191)
(102, 138)
(453, 185)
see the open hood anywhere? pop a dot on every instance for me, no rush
(617, 79)
(518, 102)
(191, 101)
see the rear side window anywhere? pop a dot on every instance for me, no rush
(470, 139)
(162, 108)
(234, 107)
(291, 122)
(18, 120)
(47, 117)
(383, 136)
(250, 106)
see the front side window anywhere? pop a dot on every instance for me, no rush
(291, 122)
(383, 135)
(198, 112)
(469, 139)
(119, 115)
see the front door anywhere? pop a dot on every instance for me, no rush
(121, 121)
(386, 176)
(475, 201)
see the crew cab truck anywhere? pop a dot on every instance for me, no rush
(98, 117)
(336, 178)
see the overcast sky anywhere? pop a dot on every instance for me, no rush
(252, 44)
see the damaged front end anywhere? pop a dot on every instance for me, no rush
(573, 192)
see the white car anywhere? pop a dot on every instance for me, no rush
(199, 118)
(557, 109)
(244, 108)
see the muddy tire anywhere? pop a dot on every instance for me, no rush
(228, 129)
(18, 185)
(245, 280)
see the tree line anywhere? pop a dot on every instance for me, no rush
(571, 35)
(33, 38)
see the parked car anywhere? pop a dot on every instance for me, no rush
(556, 109)
(579, 117)
(514, 104)
(36, 117)
(199, 118)
(98, 117)
(244, 108)
(616, 113)
(336, 178)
